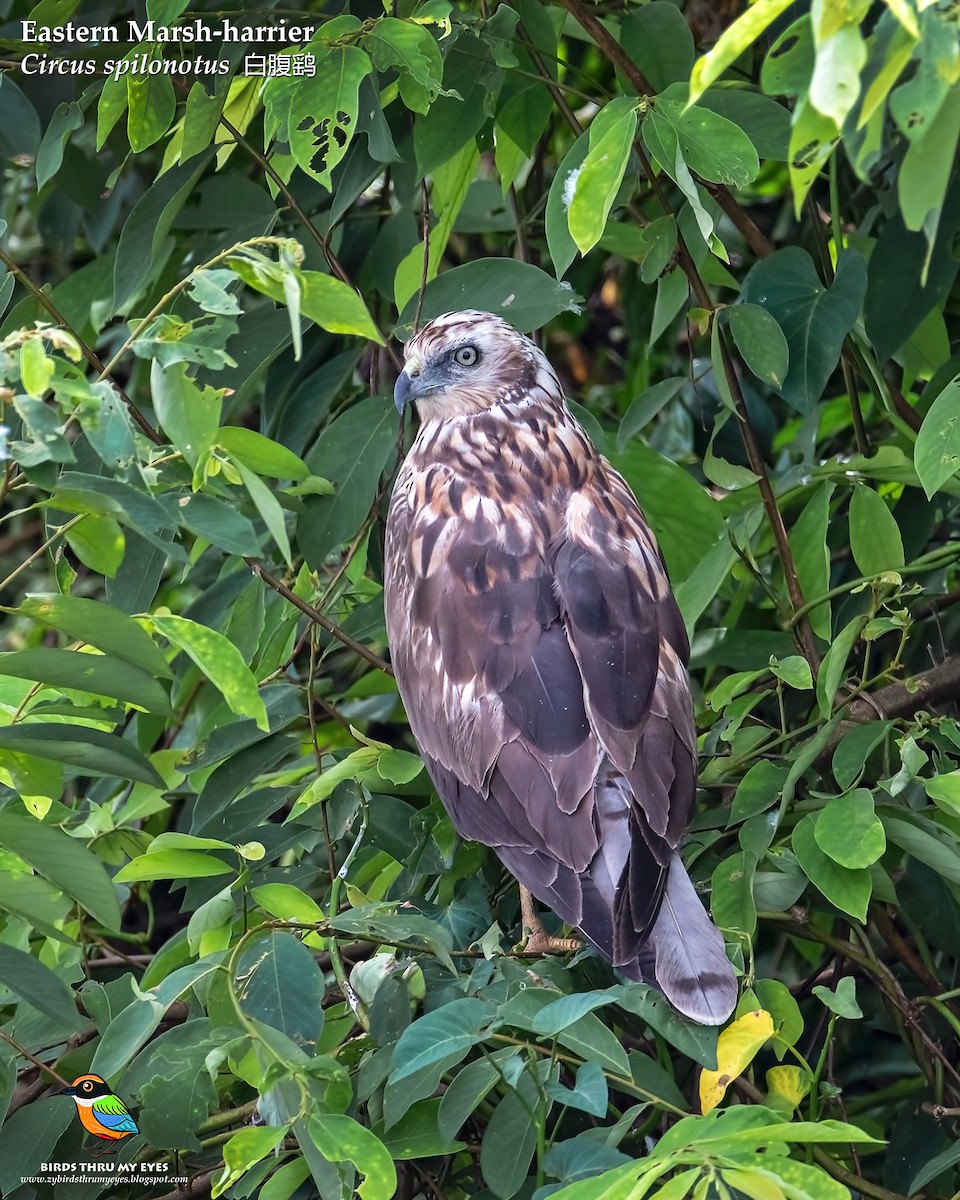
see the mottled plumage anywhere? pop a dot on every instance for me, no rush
(541, 656)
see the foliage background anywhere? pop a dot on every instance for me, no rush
(212, 813)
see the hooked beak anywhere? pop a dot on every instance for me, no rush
(403, 391)
(412, 384)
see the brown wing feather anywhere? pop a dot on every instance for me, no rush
(528, 657)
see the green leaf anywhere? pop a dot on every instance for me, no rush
(40, 987)
(732, 42)
(324, 109)
(874, 534)
(101, 674)
(99, 624)
(66, 119)
(757, 791)
(269, 509)
(813, 318)
(562, 247)
(849, 830)
(468, 1087)
(659, 43)
(731, 902)
(850, 757)
(28, 1138)
(710, 145)
(99, 543)
(151, 104)
(685, 518)
(447, 1031)
(172, 864)
(765, 121)
(848, 889)
(589, 1094)
(843, 1001)
(510, 1139)
(584, 1034)
(189, 415)
(146, 229)
(937, 452)
(927, 168)
(416, 1134)
(410, 49)
(351, 452)
(645, 408)
(935, 1166)
(835, 85)
(834, 665)
(220, 661)
(341, 1138)
(761, 342)
(698, 1042)
(218, 522)
(331, 303)
(92, 751)
(599, 178)
(260, 454)
(243, 1151)
(808, 540)
(520, 293)
(936, 849)
(64, 861)
(278, 983)
(812, 140)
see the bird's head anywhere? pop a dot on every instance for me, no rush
(464, 362)
(87, 1087)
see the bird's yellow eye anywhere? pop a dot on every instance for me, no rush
(467, 356)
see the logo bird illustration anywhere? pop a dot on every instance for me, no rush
(100, 1111)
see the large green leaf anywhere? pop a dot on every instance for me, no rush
(92, 751)
(848, 889)
(278, 982)
(712, 147)
(65, 861)
(520, 293)
(937, 452)
(101, 674)
(445, 1032)
(814, 318)
(341, 1138)
(40, 987)
(220, 661)
(100, 625)
(351, 452)
(324, 109)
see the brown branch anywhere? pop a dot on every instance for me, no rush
(741, 220)
(199, 1185)
(323, 242)
(927, 690)
(610, 47)
(317, 617)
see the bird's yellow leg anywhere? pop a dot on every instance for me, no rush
(536, 940)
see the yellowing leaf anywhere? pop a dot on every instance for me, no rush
(792, 1083)
(736, 1048)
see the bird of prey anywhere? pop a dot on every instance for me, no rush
(101, 1112)
(541, 657)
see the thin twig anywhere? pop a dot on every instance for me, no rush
(315, 615)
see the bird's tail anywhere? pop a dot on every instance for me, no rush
(690, 965)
